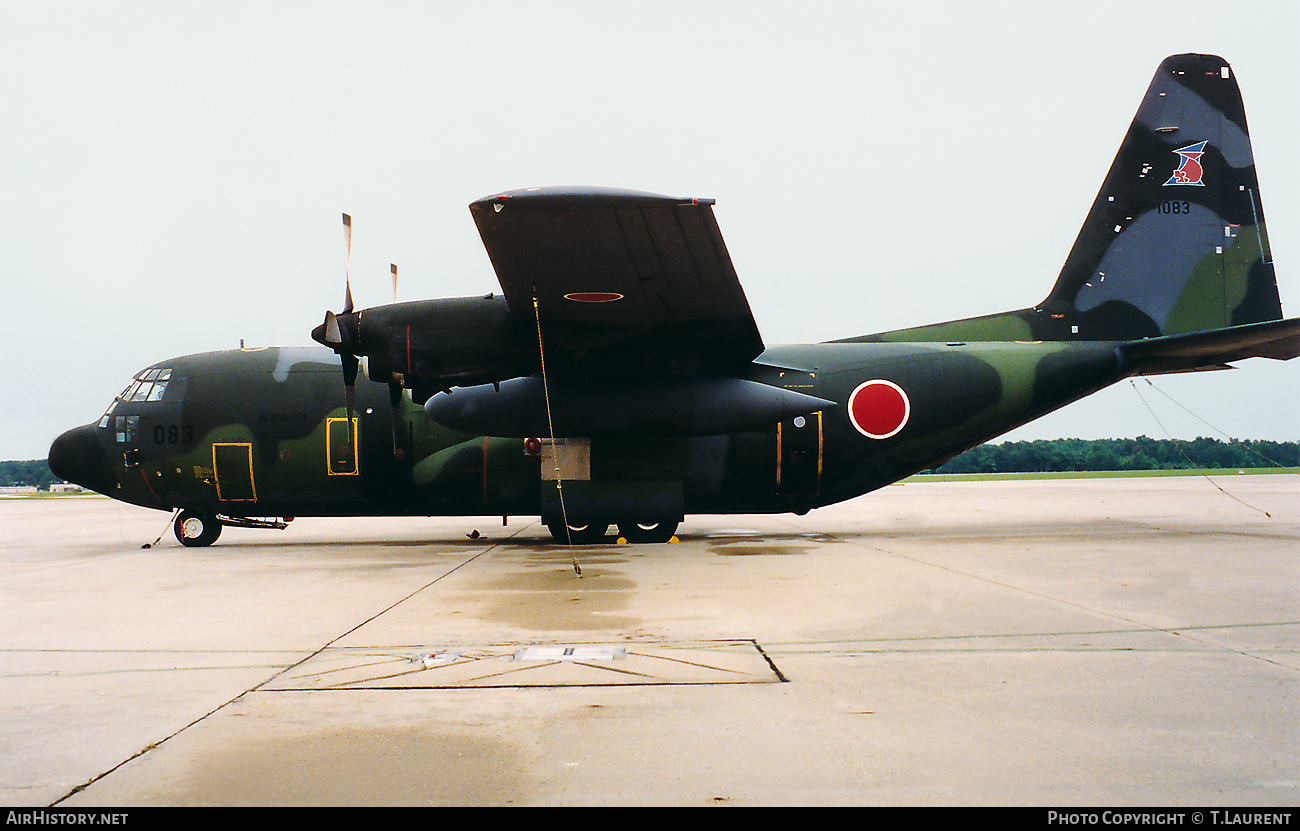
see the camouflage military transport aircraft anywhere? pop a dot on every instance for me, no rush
(621, 379)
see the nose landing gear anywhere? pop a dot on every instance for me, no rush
(195, 528)
(200, 528)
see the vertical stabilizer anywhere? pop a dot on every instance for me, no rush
(1175, 241)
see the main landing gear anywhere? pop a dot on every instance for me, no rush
(595, 532)
(647, 532)
(578, 534)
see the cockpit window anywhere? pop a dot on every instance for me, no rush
(150, 385)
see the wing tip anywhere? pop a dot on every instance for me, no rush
(563, 196)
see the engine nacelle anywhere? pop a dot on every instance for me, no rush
(437, 344)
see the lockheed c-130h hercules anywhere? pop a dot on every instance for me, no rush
(620, 378)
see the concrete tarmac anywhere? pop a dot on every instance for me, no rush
(1053, 643)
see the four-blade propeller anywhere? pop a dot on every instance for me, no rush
(342, 333)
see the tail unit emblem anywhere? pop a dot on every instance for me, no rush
(1189, 170)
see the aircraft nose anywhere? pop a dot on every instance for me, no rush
(76, 456)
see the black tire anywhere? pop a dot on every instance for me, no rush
(642, 532)
(578, 534)
(196, 529)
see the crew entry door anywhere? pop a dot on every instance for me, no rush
(341, 452)
(232, 467)
(799, 455)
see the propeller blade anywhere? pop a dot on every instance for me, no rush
(395, 400)
(350, 364)
(393, 268)
(331, 332)
(347, 265)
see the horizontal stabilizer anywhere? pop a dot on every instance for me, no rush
(1277, 339)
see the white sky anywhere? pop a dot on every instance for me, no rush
(173, 172)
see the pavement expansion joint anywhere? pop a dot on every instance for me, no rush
(449, 666)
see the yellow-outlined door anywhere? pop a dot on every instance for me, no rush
(799, 455)
(338, 461)
(232, 468)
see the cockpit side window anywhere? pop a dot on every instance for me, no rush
(128, 429)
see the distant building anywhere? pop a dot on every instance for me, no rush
(55, 487)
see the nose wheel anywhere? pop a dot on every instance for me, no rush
(195, 529)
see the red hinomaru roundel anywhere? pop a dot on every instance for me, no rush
(879, 408)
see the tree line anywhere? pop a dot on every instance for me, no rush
(1141, 453)
(33, 472)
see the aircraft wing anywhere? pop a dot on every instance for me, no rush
(620, 276)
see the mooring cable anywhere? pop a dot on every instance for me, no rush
(550, 427)
(1180, 449)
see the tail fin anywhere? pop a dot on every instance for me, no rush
(1175, 241)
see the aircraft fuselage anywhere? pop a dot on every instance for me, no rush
(263, 432)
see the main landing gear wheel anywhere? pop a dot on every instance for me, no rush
(194, 528)
(578, 534)
(647, 532)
